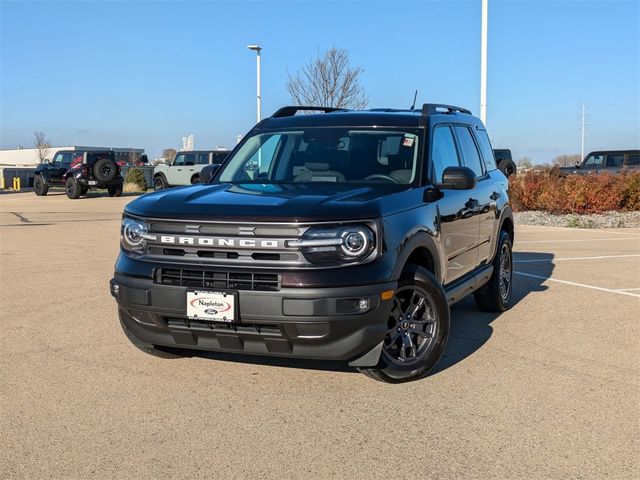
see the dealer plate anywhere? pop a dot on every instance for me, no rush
(93, 182)
(212, 306)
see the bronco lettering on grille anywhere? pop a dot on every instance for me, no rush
(220, 242)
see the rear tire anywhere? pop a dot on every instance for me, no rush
(159, 183)
(145, 347)
(495, 296)
(39, 186)
(73, 188)
(418, 329)
(114, 190)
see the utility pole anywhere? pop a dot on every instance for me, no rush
(257, 49)
(582, 128)
(483, 63)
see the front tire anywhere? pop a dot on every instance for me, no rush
(418, 329)
(39, 186)
(495, 296)
(73, 188)
(195, 179)
(145, 347)
(159, 183)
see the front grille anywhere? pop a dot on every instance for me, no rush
(269, 282)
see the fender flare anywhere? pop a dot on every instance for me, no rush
(415, 240)
(507, 214)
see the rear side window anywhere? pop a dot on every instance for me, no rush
(486, 150)
(203, 159)
(633, 160)
(443, 152)
(470, 154)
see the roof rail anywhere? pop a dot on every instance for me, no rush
(293, 109)
(432, 108)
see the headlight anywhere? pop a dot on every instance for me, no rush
(133, 234)
(336, 245)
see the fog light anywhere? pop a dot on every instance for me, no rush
(363, 304)
(115, 289)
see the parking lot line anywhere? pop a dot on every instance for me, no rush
(551, 259)
(575, 284)
(637, 239)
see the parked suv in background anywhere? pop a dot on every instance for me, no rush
(505, 161)
(606, 161)
(341, 235)
(78, 171)
(185, 168)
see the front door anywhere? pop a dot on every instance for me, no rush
(457, 210)
(61, 163)
(182, 169)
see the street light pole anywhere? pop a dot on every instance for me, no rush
(483, 63)
(257, 49)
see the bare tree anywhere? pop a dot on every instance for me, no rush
(168, 154)
(525, 163)
(328, 81)
(42, 146)
(567, 160)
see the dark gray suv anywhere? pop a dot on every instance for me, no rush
(342, 235)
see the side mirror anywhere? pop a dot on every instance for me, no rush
(458, 178)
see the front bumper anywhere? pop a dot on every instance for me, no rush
(317, 323)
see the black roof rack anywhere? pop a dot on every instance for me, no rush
(432, 108)
(293, 109)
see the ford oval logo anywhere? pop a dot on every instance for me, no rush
(211, 311)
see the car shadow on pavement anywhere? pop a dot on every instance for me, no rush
(471, 328)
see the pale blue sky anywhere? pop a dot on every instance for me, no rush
(144, 74)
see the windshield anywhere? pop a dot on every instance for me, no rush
(320, 154)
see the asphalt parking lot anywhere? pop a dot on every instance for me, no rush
(549, 389)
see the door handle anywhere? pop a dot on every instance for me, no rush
(494, 196)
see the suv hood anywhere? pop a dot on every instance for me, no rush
(273, 202)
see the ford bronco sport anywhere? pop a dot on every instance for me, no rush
(341, 235)
(185, 168)
(78, 171)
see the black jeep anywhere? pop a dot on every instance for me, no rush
(78, 171)
(341, 235)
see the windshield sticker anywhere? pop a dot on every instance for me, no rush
(407, 142)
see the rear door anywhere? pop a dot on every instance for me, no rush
(490, 190)
(459, 224)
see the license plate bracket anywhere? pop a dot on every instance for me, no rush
(213, 306)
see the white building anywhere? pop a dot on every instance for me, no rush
(28, 157)
(188, 143)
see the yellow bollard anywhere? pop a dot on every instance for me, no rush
(16, 184)
(2, 184)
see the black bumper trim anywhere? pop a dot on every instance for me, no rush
(156, 315)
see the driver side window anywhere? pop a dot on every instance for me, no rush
(443, 152)
(179, 160)
(594, 161)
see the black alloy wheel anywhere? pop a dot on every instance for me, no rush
(418, 329)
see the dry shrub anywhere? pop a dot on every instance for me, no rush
(548, 191)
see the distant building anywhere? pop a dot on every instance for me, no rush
(28, 157)
(188, 143)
